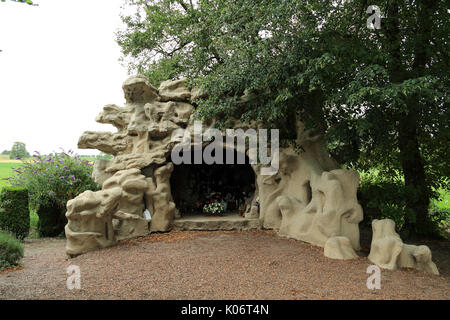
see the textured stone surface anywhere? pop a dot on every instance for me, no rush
(339, 248)
(232, 222)
(98, 172)
(388, 250)
(99, 219)
(174, 90)
(310, 199)
(159, 199)
(142, 144)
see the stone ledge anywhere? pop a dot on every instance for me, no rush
(215, 223)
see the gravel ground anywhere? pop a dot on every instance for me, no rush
(209, 265)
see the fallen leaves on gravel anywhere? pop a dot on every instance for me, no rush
(10, 269)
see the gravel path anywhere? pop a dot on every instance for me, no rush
(209, 265)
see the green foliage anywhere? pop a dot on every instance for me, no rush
(11, 251)
(6, 171)
(382, 198)
(57, 177)
(52, 219)
(440, 220)
(164, 69)
(51, 181)
(14, 214)
(34, 218)
(6, 152)
(104, 156)
(29, 2)
(18, 151)
(440, 213)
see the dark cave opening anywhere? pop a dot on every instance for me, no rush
(195, 185)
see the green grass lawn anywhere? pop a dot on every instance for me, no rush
(88, 158)
(6, 171)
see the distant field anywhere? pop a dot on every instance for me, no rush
(5, 158)
(89, 158)
(6, 171)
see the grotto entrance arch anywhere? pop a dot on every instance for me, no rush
(195, 185)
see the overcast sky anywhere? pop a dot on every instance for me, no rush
(58, 68)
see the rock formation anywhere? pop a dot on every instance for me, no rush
(98, 219)
(388, 250)
(309, 198)
(339, 248)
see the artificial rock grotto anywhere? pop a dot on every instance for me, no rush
(309, 198)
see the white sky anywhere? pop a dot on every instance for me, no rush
(58, 68)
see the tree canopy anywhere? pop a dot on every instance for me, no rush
(18, 150)
(379, 95)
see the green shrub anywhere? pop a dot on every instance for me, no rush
(34, 219)
(51, 181)
(14, 213)
(440, 218)
(382, 198)
(11, 251)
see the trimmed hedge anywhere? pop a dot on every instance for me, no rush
(11, 251)
(14, 213)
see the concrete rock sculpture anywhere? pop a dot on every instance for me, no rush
(388, 250)
(99, 219)
(310, 198)
(339, 248)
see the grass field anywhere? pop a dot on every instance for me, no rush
(6, 165)
(6, 171)
(5, 158)
(89, 158)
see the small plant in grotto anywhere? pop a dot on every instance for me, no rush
(213, 208)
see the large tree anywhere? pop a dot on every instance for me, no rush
(18, 150)
(399, 95)
(381, 95)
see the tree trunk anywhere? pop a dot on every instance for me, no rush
(417, 196)
(412, 161)
(417, 193)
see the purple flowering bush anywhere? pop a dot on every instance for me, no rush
(51, 181)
